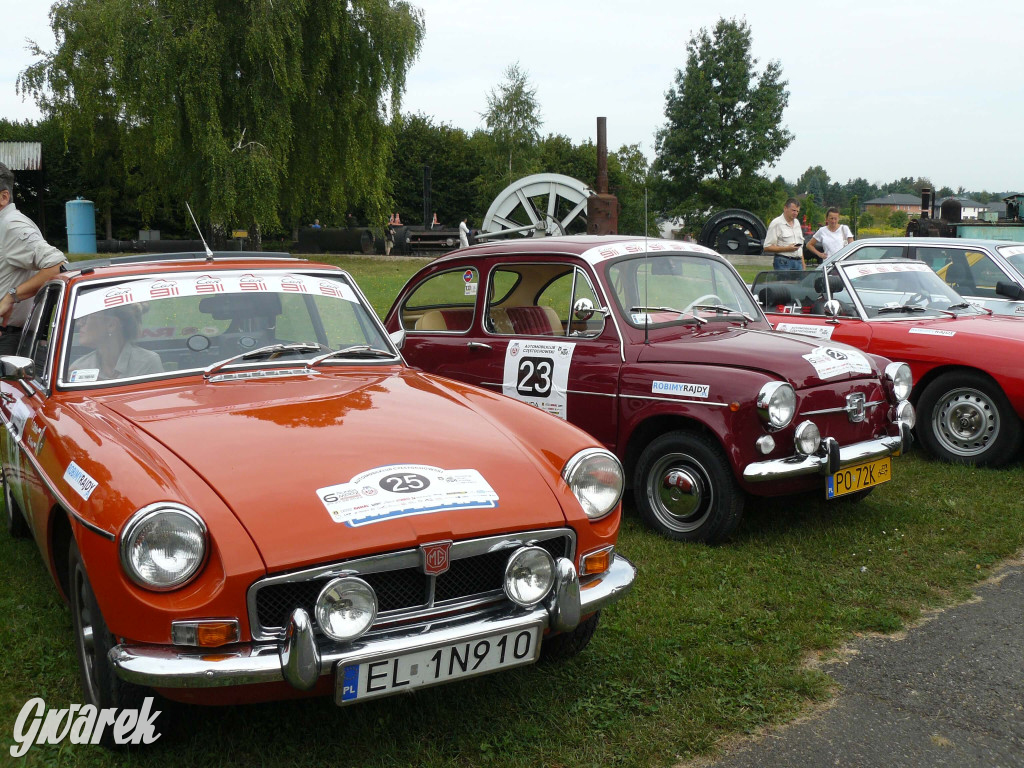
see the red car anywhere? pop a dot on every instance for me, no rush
(244, 493)
(968, 382)
(658, 349)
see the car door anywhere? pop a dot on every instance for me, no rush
(22, 406)
(974, 274)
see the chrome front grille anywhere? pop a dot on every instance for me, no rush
(404, 592)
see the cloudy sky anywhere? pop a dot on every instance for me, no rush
(877, 89)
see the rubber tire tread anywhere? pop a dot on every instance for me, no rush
(565, 645)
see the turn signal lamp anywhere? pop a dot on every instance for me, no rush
(597, 562)
(211, 633)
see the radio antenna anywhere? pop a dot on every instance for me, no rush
(647, 277)
(209, 253)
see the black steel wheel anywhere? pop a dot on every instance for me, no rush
(734, 232)
(16, 525)
(567, 644)
(964, 418)
(685, 489)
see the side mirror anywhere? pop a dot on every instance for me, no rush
(583, 309)
(398, 338)
(15, 368)
(1009, 290)
(833, 308)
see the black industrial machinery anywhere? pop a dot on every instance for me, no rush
(950, 221)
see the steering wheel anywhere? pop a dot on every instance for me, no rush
(707, 298)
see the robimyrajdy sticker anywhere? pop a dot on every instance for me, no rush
(681, 388)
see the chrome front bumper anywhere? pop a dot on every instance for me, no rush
(829, 459)
(301, 658)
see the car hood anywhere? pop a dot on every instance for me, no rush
(794, 358)
(270, 449)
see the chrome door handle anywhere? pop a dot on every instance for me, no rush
(478, 345)
(7, 397)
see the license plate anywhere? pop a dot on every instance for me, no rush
(859, 477)
(386, 675)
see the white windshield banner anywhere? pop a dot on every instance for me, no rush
(862, 270)
(150, 289)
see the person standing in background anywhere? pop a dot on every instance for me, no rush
(27, 261)
(831, 237)
(463, 233)
(785, 238)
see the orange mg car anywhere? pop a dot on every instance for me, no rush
(245, 494)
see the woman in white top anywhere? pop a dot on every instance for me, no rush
(831, 237)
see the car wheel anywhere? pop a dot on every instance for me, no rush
(100, 684)
(567, 644)
(684, 488)
(16, 524)
(965, 418)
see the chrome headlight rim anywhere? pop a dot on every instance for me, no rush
(906, 415)
(807, 438)
(570, 476)
(530, 550)
(768, 401)
(137, 523)
(320, 608)
(900, 378)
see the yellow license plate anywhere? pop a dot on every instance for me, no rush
(859, 477)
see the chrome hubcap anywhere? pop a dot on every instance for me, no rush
(679, 492)
(86, 637)
(965, 422)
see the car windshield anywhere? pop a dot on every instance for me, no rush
(1015, 255)
(161, 326)
(903, 289)
(663, 288)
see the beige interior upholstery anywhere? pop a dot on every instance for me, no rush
(431, 320)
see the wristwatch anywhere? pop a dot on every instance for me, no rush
(13, 293)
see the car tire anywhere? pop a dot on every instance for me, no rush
(964, 418)
(565, 645)
(100, 684)
(16, 524)
(685, 489)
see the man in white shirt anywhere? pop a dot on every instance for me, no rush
(463, 234)
(27, 261)
(785, 238)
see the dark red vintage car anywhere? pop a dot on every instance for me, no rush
(658, 349)
(245, 493)
(968, 383)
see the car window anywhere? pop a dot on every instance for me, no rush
(1014, 254)
(567, 291)
(158, 326)
(37, 339)
(443, 302)
(900, 290)
(537, 304)
(871, 252)
(801, 292)
(969, 272)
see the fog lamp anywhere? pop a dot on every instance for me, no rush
(529, 575)
(806, 438)
(346, 608)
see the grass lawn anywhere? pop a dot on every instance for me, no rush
(712, 642)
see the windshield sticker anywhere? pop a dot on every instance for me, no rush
(403, 490)
(469, 278)
(83, 375)
(537, 372)
(829, 362)
(80, 481)
(139, 291)
(860, 270)
(1011, 250)
(702, 391)
(814, 331)
(932, 332)
(637, 247)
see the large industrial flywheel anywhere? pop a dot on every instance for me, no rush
(541, 205)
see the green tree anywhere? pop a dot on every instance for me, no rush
(250, 110)
(855, 215)
(724, 123)
(897, 219)
(814, 180)
(513, 123)
(866, 220)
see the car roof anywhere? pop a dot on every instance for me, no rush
(961, 241)
(149, 263)
(592, 248)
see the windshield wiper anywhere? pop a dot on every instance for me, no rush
(356, 350)
(646, 310)
(900, 308)
(721, 309)
(271, 350)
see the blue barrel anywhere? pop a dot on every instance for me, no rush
(81, 216)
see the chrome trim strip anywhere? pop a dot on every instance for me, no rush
(674, 400)
(164, 666)
(594, 394)
(264, 373)
(798, 466)
(394, 561)
(872, 404)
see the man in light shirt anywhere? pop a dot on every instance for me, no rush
(27, 261)
(785, 238)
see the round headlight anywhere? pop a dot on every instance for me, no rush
(898, 374)
(806, 438)
(905, 414)
(163, 546)
(776, 402)
(346, 608)
(529, 575)
(596, 479)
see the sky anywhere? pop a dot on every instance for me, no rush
(879, 90)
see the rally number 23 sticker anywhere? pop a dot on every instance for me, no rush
(537, 372)
(535, 376)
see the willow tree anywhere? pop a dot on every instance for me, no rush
(256, 112)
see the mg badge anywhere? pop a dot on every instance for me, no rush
(855, 407)
(435, 557)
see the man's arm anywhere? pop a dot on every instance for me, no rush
(27, 289)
